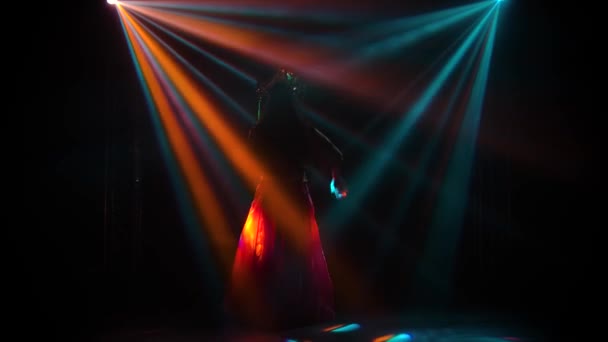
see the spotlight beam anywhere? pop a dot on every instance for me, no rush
(387, 242)
(409, 26)
(210, 84)
(231, 143)
(368, 174)
(399, 97)
(308, 60)
(409, 38)
(263, 11)
(301, 37)
(199, 137)
(435, 266)
(197, 179)
(222, 253)
(210, 212)
(233, 69)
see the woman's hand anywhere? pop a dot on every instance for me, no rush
(338, 187)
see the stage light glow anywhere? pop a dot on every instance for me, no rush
(365, 178)
(160, 60)
(346, 328)
(400, 337)
(330, 328)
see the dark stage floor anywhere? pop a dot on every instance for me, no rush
(411, 327)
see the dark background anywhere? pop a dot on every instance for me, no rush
(107, 260)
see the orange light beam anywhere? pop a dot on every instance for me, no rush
(330, 328)
(204, 200)
(231, 144)
(203, 197)
(309, 60)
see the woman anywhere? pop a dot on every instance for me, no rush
(280, 278)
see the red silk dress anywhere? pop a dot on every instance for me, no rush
(277, 283)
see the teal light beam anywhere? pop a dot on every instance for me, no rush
(379, 31)
(408, 38)
(422, 75)
(202, 256)
(259, 12)
(369, 174)
(322, 40)
(435, 267)
(244, 114)
(419, 175)
(234, 70)
(215, 158)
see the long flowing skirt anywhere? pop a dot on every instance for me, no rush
(275, 285)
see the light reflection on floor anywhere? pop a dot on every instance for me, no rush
(420, 328)
(415, 328)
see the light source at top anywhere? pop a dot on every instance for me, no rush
(112, 2)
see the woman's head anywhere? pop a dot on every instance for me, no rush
(278, 97)
(281, 77)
